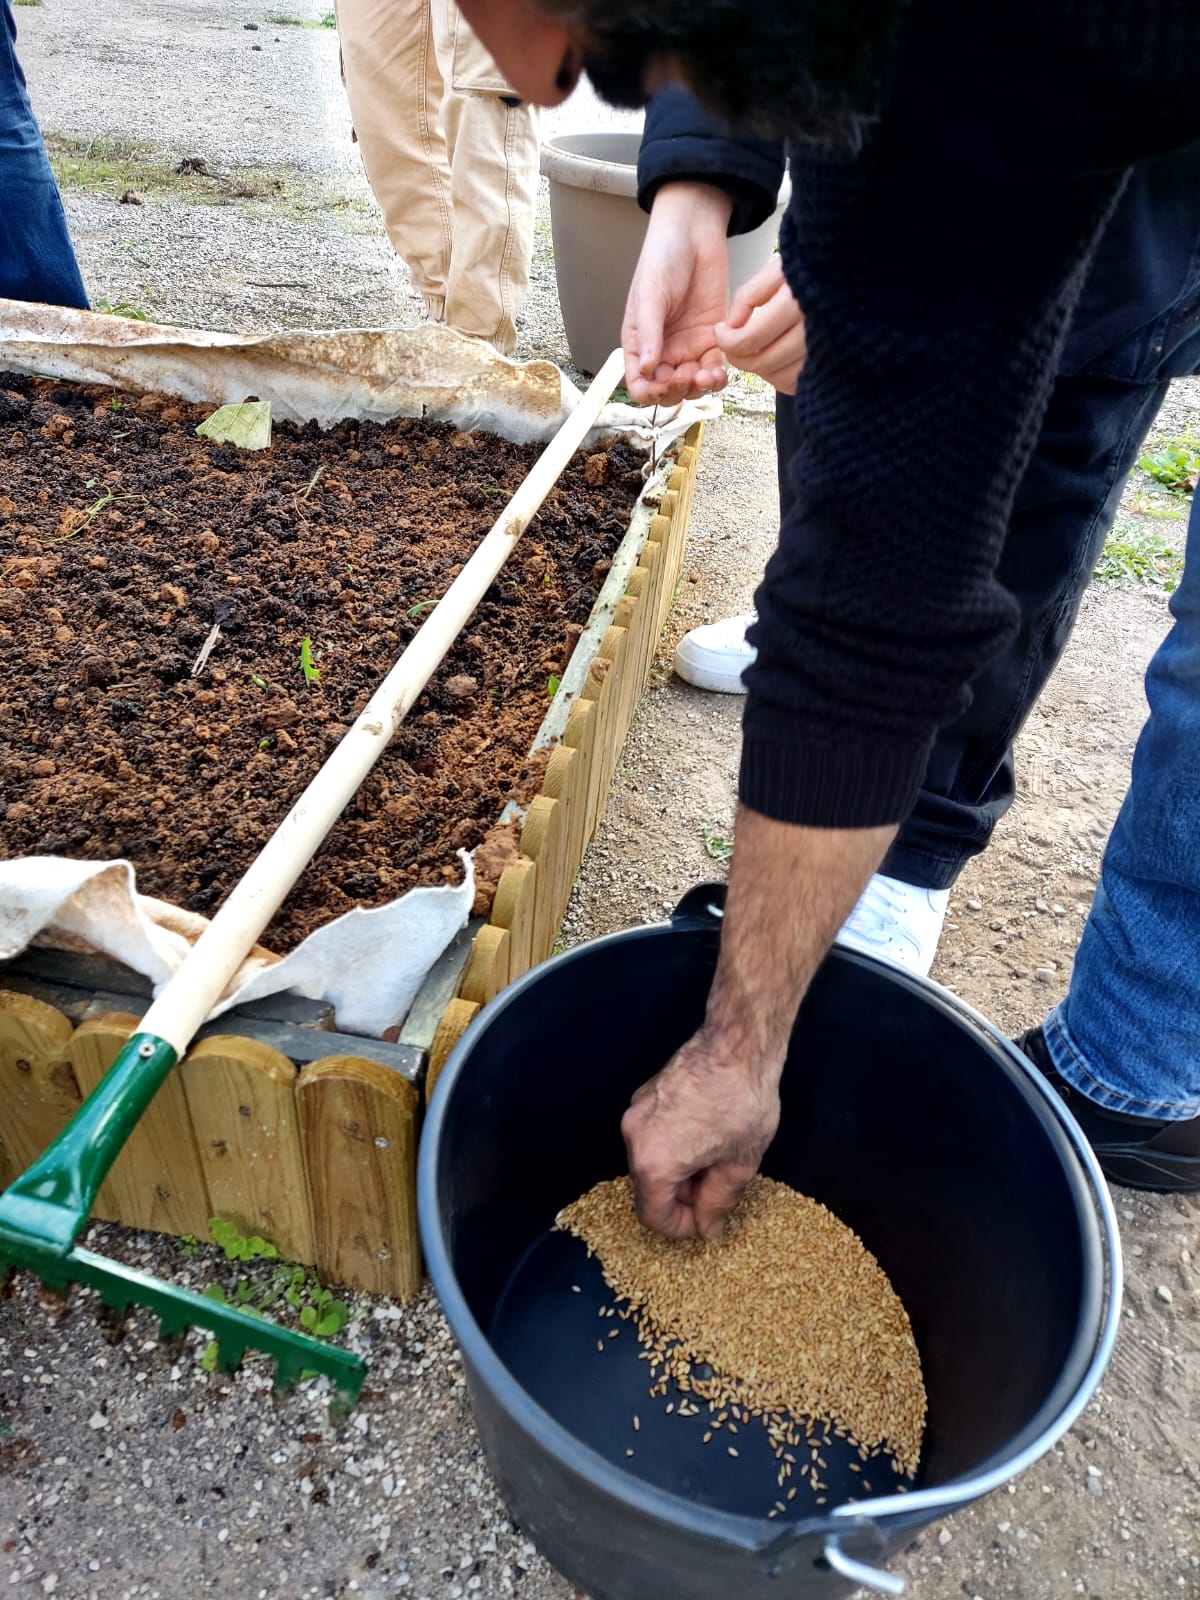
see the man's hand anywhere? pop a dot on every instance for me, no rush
(764, 332)
(696, 1134)
(679, 293)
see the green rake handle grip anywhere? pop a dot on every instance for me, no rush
(45, 1208)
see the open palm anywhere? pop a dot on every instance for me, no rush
(679, 293)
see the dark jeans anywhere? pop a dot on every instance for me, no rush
(36, 258)
(1137, 326)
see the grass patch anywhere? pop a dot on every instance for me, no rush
(27, 2)
(278, 20)
(111, 165)
(1137, 554)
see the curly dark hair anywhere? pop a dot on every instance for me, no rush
(813, 70)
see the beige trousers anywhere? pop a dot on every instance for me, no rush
(453, 166)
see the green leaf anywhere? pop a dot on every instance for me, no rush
(421, 606)
(248, 425)
(212, 1353)
(215, 1292)
(552, 683)
(333, 1321)
(308, 1318)
(308, 662)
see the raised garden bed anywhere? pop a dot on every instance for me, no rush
(127, 538)
(274, 1120)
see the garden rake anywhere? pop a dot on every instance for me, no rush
(46, 1208)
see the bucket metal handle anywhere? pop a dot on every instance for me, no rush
(866, 1577)
(832, 1533)
(703, 906)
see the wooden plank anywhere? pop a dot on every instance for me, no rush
(513, 906)
(542, 838)
(614, 648)
(358, 1126)
(581, 735)
(455, 1020)
(38, 1092)
(157, 1181)
(241, 1098)
(562, 783)
(487, 969)
(596, 688)
(8, 1167)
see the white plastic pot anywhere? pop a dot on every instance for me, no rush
(598, 230)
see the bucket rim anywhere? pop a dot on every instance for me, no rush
(757, 1535)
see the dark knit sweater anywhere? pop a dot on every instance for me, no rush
(937, 272)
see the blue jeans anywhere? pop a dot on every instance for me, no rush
(36, 258)
(1128, 1034)
(1137, 326)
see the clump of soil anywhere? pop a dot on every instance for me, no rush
(124, 539)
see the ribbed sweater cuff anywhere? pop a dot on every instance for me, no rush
(822, 786)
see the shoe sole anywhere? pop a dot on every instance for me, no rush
(1159, 1172)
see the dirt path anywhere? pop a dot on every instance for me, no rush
(123, 1470)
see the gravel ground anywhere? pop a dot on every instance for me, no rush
(125, 1469)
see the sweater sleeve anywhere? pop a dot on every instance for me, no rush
(937, 291)
(681, 142)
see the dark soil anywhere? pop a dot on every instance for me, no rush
(124, 538)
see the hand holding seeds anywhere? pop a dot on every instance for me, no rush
(695, 1134)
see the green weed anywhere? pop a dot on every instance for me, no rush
(1141, 555)
(1176, 464)
(718, 842)
(419, 610)
(289, 1288)
(552, 683)
(308, 662)
(122, 308)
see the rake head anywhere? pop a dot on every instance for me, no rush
(45, 1209)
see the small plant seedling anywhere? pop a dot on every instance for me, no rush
(545, 580)
(238, 1246)
(259, 682)
(1141, 554)
(296, 1288)
(552, 683)
(122, 308)
(264, 744)
(421, 607)
(187, 1244)
(93, 511)
(308, 662)
(717, 842)
(1176, 465)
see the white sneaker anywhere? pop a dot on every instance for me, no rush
(715, 656)
(897, 922)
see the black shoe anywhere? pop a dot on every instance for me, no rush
(1136, 1152)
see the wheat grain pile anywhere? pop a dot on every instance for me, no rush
(791, 1312)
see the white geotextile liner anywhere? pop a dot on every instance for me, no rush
(368, 964)
(369, 373)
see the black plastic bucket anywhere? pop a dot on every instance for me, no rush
(907, 1114)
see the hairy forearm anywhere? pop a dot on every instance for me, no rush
(790, 890)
